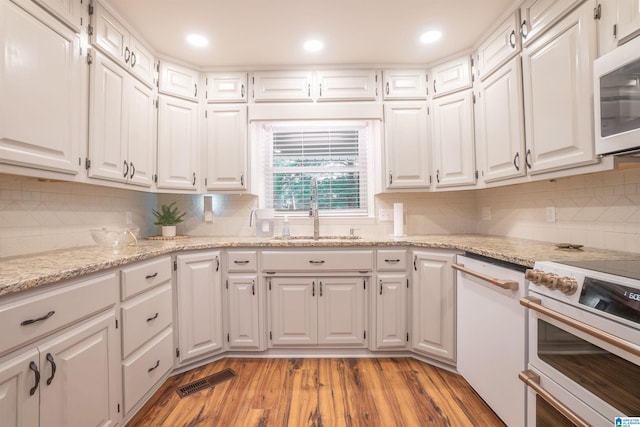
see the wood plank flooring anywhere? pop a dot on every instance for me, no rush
(320, 393)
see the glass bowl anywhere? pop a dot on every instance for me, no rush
(115, 237)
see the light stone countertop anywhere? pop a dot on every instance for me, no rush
(28, 272)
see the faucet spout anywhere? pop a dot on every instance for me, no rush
(313, 207)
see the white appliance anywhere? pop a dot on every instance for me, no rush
(617, 99)
(584, 342)
(491, 337)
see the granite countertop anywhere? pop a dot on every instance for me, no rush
(27, 272)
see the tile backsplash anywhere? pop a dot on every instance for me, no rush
(598, 210)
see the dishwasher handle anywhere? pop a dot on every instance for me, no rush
(504, 284)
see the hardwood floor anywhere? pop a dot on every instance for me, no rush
(320, 393)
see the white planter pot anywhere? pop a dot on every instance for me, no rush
(168, 231)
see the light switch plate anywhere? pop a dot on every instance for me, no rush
(385, 215)
(551, 214)
(486, 213)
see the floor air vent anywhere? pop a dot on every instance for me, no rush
(206, 382)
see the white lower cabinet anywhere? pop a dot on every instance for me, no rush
(199, 305)
(244, 312)
(391, 311)
(433, 296)
(310, 311)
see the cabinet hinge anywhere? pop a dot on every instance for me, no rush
(615, 30)
(206, 116)
(177, 352)
(116, 323)
(157, 103)
(407, 336)
(415, 262)
(271, 335)
(89, 57)
(91, 10)
(226, 285)
(364, 335)
(597, 12)
(269, 284)
(428, 111)
(87, 163)
(155, 178)
(430, 180)
(90, 29)
(228, 337)
(175, 265)
(407, 283)
(474, 97)
(364, 284)
(472, 61)
(79, 161)
(118, 408)
(205, 182)
(477, 174)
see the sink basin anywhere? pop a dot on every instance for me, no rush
(295, 238)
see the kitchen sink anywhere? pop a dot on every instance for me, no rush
(295, 238)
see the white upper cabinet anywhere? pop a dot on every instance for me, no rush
(499, 47)
(347, 85)
(558, 94)
(122, 125)
(282, 86)
(41, 90)
(451, 76)
(227, 147)
(500, 124)
(69, 11)
(177, 144)
(178, 81)
(628, 19)
(536, 16)
(113, 38)
(406, 145)
(453, 140)
(226, 87)
(405, 84)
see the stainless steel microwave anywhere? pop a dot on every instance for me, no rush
(617, 99)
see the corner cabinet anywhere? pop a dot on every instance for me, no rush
(434, 309)
(406, 146)
(41, 82)
(558, 94)
(227, 147)
(199, 305)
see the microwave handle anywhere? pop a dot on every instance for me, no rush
(535, 304)
(532, 380)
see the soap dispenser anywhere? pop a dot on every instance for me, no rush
(285, 227)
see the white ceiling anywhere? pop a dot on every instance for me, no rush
(264, 33)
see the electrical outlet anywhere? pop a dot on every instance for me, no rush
(385, 215)
(128, 217)
(486, 213)
(551, 214)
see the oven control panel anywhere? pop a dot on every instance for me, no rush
(553, 281)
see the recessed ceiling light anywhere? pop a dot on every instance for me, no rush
(313, 45)
(430, 37)
(197, 40)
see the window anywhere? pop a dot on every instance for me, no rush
(334, 153)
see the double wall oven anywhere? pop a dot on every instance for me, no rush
(584, 343)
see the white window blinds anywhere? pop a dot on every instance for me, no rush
(336, 154)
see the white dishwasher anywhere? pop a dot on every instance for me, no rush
(491, 335)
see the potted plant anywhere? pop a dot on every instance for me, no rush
(168, 217)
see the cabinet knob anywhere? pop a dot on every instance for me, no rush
(524, 29)
(512, 38)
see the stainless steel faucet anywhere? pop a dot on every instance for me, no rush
(313, 207)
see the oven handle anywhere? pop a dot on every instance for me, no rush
(531, 379)
(504, 284)
(536, 305)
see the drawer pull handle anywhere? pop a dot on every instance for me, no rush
(39, 319)
(154, 367)
(53, 368)
(501, 283)
(241, 262)
(35, 370)
(316, 262)
(154, 317)
(151, 276)
(392, 261)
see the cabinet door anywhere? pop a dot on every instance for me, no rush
(80, 382)
(628, 19)
(244, 312)
(142, 63)
(41, 90)
(227, 87)
(18, 406)
(294, 311)
(177, 143)
(536, 16)
(453, 142)
(607, 26)
(558, 94)
(406, 146)
(109, 35)
(227, 147)
(341, 314)
(501, 45)
(451, 76)
(109, 119)
(391, 311)
(500, 123)
(199, 294)
(405, 84)
(282, 86)
(69, 11)
(433, 324)
(141, 138)
(178, 81)
(347, 85)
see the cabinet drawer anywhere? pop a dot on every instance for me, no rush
(391, 260)
(239, 261)
(317, 261)
(145, 316)
(27, 319)
(146, 367)
(145, 275)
